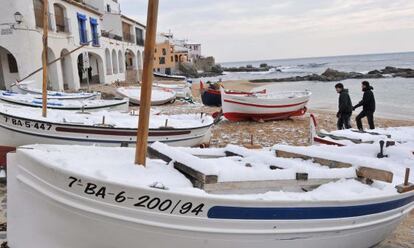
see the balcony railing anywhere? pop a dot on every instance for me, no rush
(110, 35)
(128, 37)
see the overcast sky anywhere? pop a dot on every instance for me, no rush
(242, 30)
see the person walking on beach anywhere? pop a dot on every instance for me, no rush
(344, 107)
(368, 106)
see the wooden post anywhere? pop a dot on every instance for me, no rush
(146, 88)
(407, 177)
(45, 57)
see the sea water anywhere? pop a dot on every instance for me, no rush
(394, 96)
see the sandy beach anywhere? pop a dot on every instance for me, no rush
(294, 131)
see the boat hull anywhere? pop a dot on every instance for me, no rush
(71, 203)
(249, 107)
(25, 88)
(135, 98)
(17, 131)
(71, 105)
(211, 98)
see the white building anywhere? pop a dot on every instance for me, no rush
(113, 42)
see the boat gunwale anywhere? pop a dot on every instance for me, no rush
(217, 197)
(105, 127)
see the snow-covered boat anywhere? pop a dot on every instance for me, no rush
(353, 137)
(158, 96)
(23, 125)
(264, 106)
(98, 197)
(30, 100)
(169, 77)
(26, 87)
(182, 90)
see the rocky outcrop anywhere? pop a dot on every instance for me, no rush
(250, 68)
(331, 75)
(190, 70)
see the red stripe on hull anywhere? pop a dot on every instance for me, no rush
(233, 116)
(265, 106)
(3, 154)
(119, 133)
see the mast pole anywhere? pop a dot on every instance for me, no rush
(44, 56)
(146, 88)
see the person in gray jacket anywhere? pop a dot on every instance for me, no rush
(344, 108)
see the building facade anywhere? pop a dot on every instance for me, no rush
(93, 25)
(170, 52)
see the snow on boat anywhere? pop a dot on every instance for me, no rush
(29, 100)
(352, 137)
(27, 88)
(23, 125)
(169, 77)
(103, 192)
(158, 96)
(182, 90)
(266, 106)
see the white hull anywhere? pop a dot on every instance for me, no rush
(75, 105)
(182, 91)
(159, 96)
(66, 216)
(237, 107)
(25, 88)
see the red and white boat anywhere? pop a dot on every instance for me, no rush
(264, 106)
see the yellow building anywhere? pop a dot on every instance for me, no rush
(168, 55)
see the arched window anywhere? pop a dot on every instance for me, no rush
(38, 11)
(61, 25)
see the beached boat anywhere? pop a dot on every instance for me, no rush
(158, 96)
(26, 87)
(30, 100)
(101, 190)
(264, 106)
(169, 77)
(182, 90)
(23, 125)
(353, 137)
(210, 96)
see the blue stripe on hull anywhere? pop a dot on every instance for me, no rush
(305, 213)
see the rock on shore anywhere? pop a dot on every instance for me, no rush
(334, 75)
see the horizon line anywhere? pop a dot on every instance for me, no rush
(315, 57)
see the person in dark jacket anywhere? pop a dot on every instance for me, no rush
(368, 106)
(344, 108)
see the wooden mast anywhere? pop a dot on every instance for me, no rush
(146, 88)
(45, 57)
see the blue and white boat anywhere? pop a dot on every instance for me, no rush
(71, 196)
(26, 87)
(29, 100)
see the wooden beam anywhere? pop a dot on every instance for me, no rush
(196, 177)
(146, 88)
(45, 56)
(322, 161)
(249, 187)
(375, 174)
